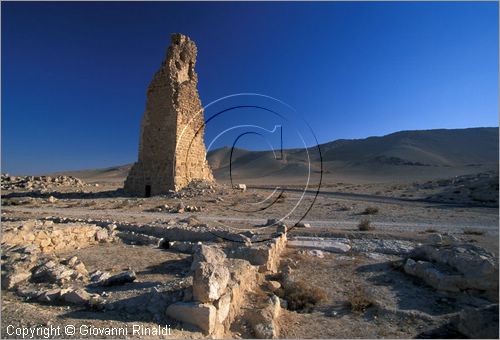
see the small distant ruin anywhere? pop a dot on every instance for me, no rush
(171, 151)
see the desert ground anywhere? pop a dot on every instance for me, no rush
(354, 260)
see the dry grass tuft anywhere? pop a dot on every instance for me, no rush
(365, 225)
(302, 297)
(371, 211)
(359, 299)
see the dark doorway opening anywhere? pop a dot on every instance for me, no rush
(148, 191)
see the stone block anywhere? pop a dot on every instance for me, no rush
(209, 281)
(201, 315)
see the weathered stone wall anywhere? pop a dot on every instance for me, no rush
(171, 150)
(219, 287)
(52, 238)
(266, 255)
(221, 283)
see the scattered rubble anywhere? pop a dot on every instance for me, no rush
(53, 237)
(454, 267)
(39, 182)
(264, 321)
(179, 209)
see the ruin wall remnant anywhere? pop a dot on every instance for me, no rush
(171, 149)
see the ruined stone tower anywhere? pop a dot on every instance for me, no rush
(171, 149)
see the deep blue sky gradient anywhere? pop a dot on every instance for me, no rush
(74, 75)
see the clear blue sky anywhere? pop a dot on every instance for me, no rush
(74, 75)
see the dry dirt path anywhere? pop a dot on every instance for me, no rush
(338, 224)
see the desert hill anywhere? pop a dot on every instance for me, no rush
(400, 156)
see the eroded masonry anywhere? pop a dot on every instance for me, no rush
(171, 151)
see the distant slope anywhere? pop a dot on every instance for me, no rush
(405, 155)
(442, 147)
(111, 174)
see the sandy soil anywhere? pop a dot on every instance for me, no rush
(399, 306)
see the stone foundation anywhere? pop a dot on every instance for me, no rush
(265, 255)
(51, 238)
(221, 283)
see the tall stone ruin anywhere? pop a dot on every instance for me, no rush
(171, 149)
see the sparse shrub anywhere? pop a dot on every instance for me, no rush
(359, 299)
(472, 231)
(365, 225)
(370, 211)
(431, 230)
(302, 297)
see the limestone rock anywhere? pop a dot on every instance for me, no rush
(479, 323)
(316, 253)
(205, 253)
(77, 297)
(52, 272)
(223, 305)
(434, 239)
(101, 235)
(209, 281)
(50, 295)
(273, 285)
(182, 247)
(454, 267)
(200, 315)
(330, 245)
(171, 151)
(99, 277)
(432, 276)
(10, 280)
(264, 321)
(119, 279)
(303, 225)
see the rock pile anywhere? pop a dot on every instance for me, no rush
(39, 182)
(178, 209)
(454, 267)
(479, 188)
(196, 188)
(45, 278)
(49, 237)
(36, 276)
(263, 321)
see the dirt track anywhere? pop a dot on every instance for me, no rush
(337, 224)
